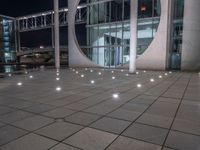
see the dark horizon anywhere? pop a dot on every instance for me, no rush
(23, 7)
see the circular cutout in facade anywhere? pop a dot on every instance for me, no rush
(103, 29)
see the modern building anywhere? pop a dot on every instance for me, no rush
(7, 39)
(167, 34)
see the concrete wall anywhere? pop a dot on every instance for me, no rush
(76, 56)
(156, 54)
(191, 36)
(153, 58)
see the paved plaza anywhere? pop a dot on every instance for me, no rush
(97, 109)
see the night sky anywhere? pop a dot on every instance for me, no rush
(16, 8)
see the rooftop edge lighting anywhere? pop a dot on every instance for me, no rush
(19, 83)
(139, 85)
(58, 88)
(152, 80)
(115, 95)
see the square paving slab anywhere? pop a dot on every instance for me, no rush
(96, 112)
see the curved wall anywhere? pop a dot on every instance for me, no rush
(153, 58)
(156, 54)
(76, 56)
(191, 36)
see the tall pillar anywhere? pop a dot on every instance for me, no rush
(133, 35)
(56, 34)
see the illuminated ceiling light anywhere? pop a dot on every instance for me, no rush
(139, 85)
(112, 71)
(19, 83)
(122, 70)
(82, 76)
(152, 80)
(113, 78)
(100, 73)
(144, 71)
(91, 70)
(92, 81)
(160, 77)
(31, 77)
(166, 74)
(143, 8)
(76, 72)
(73, 70)
(86, 69)
(127, 74)
(170, 72)
(58, 88)
(58, 71)
(57, 79)
(9, 74)
(57, 74)
(26, 72)
(137, 72)
(115, 95)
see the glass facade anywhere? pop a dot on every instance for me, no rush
(177, 33)
(108, 30)
(7, 40)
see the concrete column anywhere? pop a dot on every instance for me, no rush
(191, 36)
(56, 34)
(133, 38)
